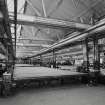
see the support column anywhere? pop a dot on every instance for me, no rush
(9, 65)
(96, 54)
(86, 55)
(40, 60)
(54, 59)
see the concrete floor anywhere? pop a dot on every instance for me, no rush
(71, 94)
(62, 95)
(23, 71)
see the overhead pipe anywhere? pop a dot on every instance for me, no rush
(99, 27)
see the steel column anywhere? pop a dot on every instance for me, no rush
(54, 59)
(86, 54)
(15, 21)
(40, 60)
(96, 54)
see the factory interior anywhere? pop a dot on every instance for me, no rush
(52, 52)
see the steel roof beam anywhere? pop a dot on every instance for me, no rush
(47, 22)
(26, 51)
(48, 40)
(32, 45)
(33, 8)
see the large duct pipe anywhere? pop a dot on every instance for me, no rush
(47, 22)
(99, 27)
